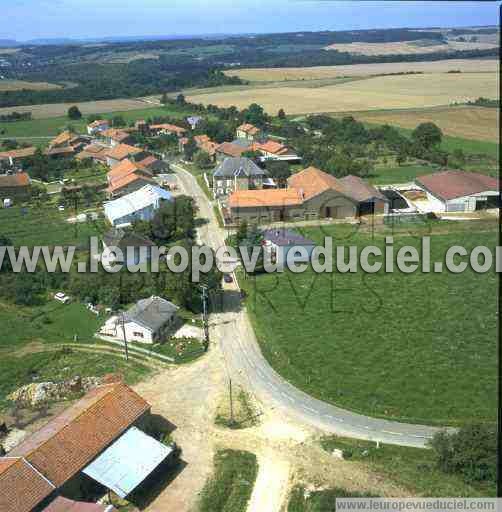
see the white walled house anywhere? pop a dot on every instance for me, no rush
(98, 126)
(148, 321)
(460, 191)
(280, 242)
(139, 205)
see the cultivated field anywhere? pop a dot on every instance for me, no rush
(467, 122)
(420, 347)
(383, 92)
(87, 107)
(16, 85)
(410, 47)
(321, 72)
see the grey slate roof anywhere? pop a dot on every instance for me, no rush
(231, 167)
(151, 313)
(361, 190)
(285, 237)
(117, 237)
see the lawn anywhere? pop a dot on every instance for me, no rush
(384, 174)
(231, 485)
(61, 365)
(319, 501)
(418, 347)
(45, 225)
(52, 322)
(411, 468)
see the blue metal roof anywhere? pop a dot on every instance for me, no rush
(127, 462)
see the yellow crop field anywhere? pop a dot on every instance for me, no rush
(383, 92)
(323, 72)
(16, 85)
(476, 123)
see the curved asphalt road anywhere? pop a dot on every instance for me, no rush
(232, 330)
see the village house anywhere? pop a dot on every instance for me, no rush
(249, 132)
(459, 191)
(230, 149)
(89, 448)
(272, 150)
(115, 136)
(95, 152)
(121, 152)
(135, 249)
(67, 139)
(167, 129)
(148, 321)
(126, 177)
(203, 143)
(280, 242)
(15, 186)
(98, 126)
(193, 121)
(152, 164)
(15, 157)
(311, 194)
(237, 174)
(139, 205)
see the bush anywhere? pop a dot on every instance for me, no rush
(470, 452)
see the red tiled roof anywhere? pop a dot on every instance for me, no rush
(62, 139)
(20, 179)
(93, 151)
(98, 123)
(271, 146)
(168, 128)
(249, 129)
(18, 153)
(61, 504)
(123, 151)
(452, 184)
(313, 181)
(116, 134)
(227, 148)
(21, 486)
(69, 442)
(265, 198)
(119, 183)
(149, 160)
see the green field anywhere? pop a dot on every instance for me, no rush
(392, 173)
(411, 468)
(46, 225)
(319, 501)
(231, 485)
(60, 365)
(52, 322)
(411, 347)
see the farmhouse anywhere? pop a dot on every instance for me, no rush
(96, 152)
(237, 174)
(311, 194)
(127, 177)
(152, 164)
(204, 143)
(15, 157)
(272, 150)
(14, 185)
(193, 121)
(96, 444)
(280, 242)
(148, 321)
(230, 149)
(67, 139)
(114, 136)
(98, 126)
(120, 152)
(248, 131)
(139, 205)
(460, 191)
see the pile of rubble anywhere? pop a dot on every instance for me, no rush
(43, 392)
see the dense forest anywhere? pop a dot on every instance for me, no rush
(141, 68)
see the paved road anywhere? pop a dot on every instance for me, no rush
(233, 332)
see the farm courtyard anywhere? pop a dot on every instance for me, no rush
(415, 347)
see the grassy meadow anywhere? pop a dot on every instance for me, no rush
(417, 347)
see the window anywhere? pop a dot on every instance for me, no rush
(138, 334)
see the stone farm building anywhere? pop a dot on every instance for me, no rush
(15, 186)
(311, 194)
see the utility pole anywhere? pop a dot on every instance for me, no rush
(231, 402)
(125, 337)
(205, 317)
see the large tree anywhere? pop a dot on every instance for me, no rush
(427, 135)
(74, 113)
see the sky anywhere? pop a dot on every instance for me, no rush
(30, 19)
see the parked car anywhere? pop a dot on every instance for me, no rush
(61, 208)
(62, 297)
(228, 278)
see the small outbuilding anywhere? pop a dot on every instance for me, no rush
(280, 242)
